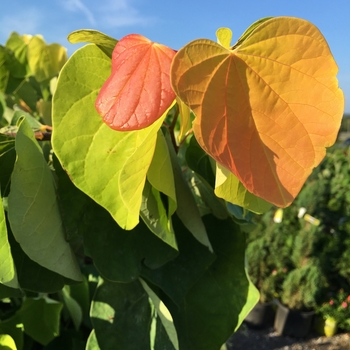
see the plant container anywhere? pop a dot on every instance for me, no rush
(293, 323)
(261, 316)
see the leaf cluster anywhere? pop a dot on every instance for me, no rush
(131, 218)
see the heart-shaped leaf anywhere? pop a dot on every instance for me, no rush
(266, 108)
(138, 91)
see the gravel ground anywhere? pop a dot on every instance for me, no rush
(267, 339)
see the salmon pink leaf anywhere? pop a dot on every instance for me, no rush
(267, 108)
(138, 91)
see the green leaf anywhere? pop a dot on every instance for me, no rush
(160, 169)
(17, 63)
(7, 266)
(73, 307)
(81, 293)
(33, 210)
(103, 41)
(72, 201)
(119, 254)
(218, 302)
(232, 190)
(41, 318)
(252, 298)
(200, 162)
(164, 315)
(32, 276)
(177, 276)
(215, 205)
(121, 316)
(249, 31)
(8, 292)
(7, 342)
(7, 161)
(27, 92)
(32, 122)
(155, 215)
(13, 326)
(92, 343)
(187, 209)
(4, 72)
(107, 165)
(45, 61)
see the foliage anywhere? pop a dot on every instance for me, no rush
(303, 287)
(315, 244)
(130, 222)
(338, 308)
(269, 251)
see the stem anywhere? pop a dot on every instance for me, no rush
(39, 136)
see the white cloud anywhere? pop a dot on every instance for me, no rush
(78, 6)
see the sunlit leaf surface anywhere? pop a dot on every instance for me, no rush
(138, 91)
(266, 108)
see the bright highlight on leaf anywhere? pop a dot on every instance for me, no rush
(267, 108)
(138, 91)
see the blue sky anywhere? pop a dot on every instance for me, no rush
(175, 23)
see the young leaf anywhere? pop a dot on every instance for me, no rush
(138, 91)
(224, 37)
(33, 210)
(267, 109)
(103, 41)
(107, 165)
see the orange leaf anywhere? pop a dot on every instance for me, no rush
(266, 108)
(138, 91)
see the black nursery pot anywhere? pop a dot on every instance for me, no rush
(261, 316)
(293, 323)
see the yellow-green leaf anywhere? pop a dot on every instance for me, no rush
(267, 109)
(103, 41)
(7, 266)
(228, 187)
(110, 166)
(45, 61)
(160, 169)
(224, 37)
(33, 210)
(185, 119)
(7, 342)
